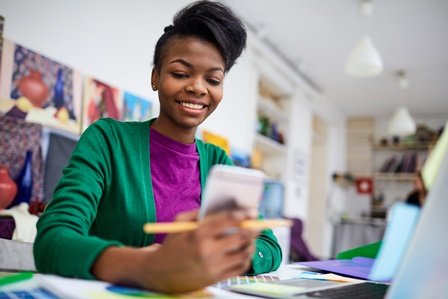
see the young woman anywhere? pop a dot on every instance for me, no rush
(124, 174)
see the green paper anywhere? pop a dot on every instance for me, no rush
(13, 278)
(369, 250)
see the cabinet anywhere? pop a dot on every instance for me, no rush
(395, 167)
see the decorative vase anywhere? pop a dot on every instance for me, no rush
(33, 88)
(24, 181)
(58, 90)
(8, 188)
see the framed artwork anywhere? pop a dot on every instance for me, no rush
(218, 140)
(136, 108)
(38, 89)
(101, 100)
(2, 22)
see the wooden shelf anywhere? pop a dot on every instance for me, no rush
(269, 146)
(396, 177)
(272, 110)
(421, 146)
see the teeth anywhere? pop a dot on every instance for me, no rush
(192, 106)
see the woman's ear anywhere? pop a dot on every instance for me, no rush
(154, 79)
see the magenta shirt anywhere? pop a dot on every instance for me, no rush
(175, 177)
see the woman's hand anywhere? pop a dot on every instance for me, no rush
(192, 260)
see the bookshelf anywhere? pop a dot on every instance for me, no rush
(395, 167)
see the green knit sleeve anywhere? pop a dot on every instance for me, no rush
(268, 254)
(63, 245)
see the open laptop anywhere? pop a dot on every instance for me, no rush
(423, 269)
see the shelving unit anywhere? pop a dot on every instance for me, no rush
(395, 167)
(272, 128)
(268, 146)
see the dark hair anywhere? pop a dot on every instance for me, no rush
(209, 21)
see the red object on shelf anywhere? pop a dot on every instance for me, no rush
(364, 185)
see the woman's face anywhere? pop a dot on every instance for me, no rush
(189, 83)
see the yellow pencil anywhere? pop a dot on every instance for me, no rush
(177, 227)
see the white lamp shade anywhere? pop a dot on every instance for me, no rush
(364, 60)
(402, 124)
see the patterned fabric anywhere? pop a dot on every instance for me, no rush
(16, 137)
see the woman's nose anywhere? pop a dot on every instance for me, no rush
(197, 87)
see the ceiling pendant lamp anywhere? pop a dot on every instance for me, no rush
(402, 124)
(364, 60)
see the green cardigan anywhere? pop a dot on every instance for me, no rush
(105, 196)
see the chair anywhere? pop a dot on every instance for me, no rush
(299, 251)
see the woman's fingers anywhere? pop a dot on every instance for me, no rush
(235, 262)
(216, 250)
(191, 215)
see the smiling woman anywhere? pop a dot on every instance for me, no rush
(124, 174)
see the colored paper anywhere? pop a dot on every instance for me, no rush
(329, 277)
(358, 267)
(268, 289)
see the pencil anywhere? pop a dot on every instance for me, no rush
(177, 227)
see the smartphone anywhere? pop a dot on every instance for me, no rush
(232, 187)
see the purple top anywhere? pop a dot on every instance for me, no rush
(175, 177)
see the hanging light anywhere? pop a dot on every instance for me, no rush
(364, 60)
(402, 124)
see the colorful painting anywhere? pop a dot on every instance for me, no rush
(2, 22)
(100, 101)
(136, 108)
(240, 158)
(221, 141)
(39, 89)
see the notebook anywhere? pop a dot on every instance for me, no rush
(422, 271)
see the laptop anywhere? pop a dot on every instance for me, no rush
(422, 271)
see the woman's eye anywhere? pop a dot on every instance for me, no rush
(213, 82)
(180, 75)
